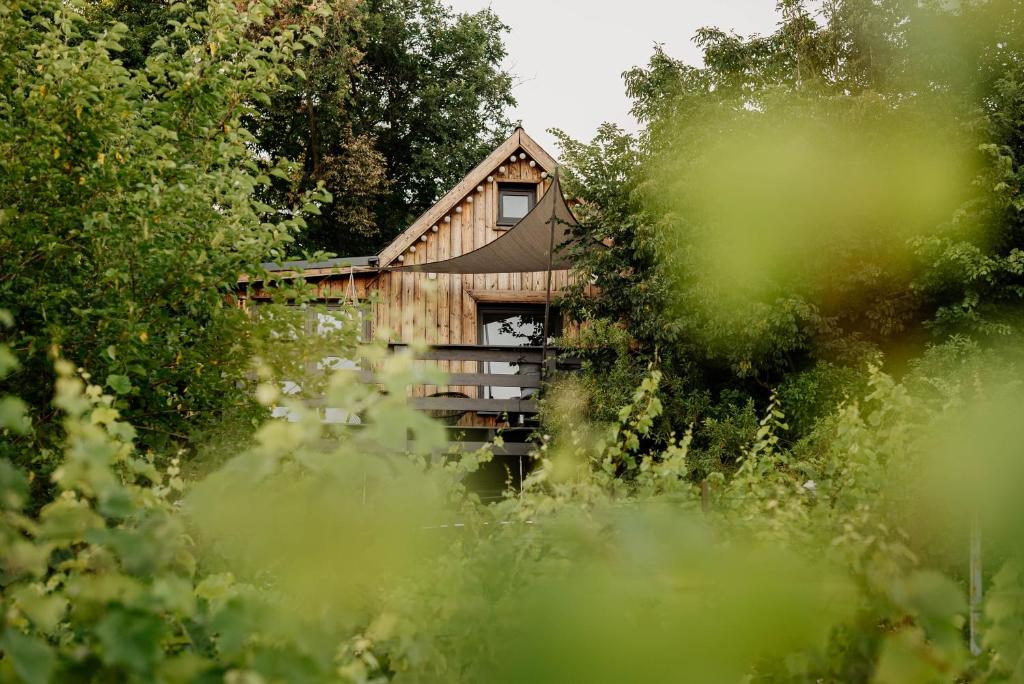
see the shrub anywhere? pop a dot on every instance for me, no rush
(127, 212)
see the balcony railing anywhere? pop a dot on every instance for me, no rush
(476, 381)
(508, 417)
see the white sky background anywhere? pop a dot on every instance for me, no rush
(567, 56)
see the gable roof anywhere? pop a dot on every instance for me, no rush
(537, 242)
(518, 140)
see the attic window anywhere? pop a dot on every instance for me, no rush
(514, 202)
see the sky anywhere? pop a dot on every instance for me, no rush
(567, 56)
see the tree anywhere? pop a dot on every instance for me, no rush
(433, 96)
(129, 210)
(735, 220)
(401, 99)
(393, 105)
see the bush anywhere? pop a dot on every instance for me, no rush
(327, 556)
(127, 212)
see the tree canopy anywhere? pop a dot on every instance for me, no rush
(805, 200)
(397, 100)
(129, 208)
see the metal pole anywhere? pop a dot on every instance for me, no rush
(976, 589)
(547, 295)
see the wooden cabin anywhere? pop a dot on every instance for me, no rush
(480, 325)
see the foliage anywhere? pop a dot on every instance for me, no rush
(433, 96)
(321, 553)
(106, 582)
(390, 106)
(759, 503)
(127, 212)
(805, 395)
(807, 199)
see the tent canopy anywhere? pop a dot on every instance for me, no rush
(523, 247)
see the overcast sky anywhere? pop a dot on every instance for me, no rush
(568, 55)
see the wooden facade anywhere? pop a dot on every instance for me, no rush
(442, 309)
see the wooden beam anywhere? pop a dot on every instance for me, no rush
(309, 273)
(470, 404)
(473, 352)
(507, 449)
(526, 381)
(512, 296)
(536, 152)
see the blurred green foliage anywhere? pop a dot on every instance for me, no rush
(737, 489)
(326, 554)
(846, 186)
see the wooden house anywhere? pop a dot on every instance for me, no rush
(446, 280)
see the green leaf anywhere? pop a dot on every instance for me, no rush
(25, 558)
(906, 657)
(121, 384)
(13, 415)
(33, 659)
(8, 361)
(175, 594)
(44, 610)
(13, 486)
(216, 589)
(130, 639)
(117, 503)
(934, 597)
(67, 521)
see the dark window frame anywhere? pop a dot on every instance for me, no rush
(488, 311)
(528, 190)
(484, 311)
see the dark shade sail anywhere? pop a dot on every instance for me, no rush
(523, 248)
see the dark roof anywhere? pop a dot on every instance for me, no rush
(340, 262)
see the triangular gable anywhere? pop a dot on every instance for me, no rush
(518, 140)
(538, 242)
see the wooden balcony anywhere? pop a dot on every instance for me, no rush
(474, 383)
(465, 403)
(481, 418)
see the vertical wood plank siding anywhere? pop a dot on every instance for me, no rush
(439, 309)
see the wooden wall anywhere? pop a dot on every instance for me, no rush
(441, 308)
